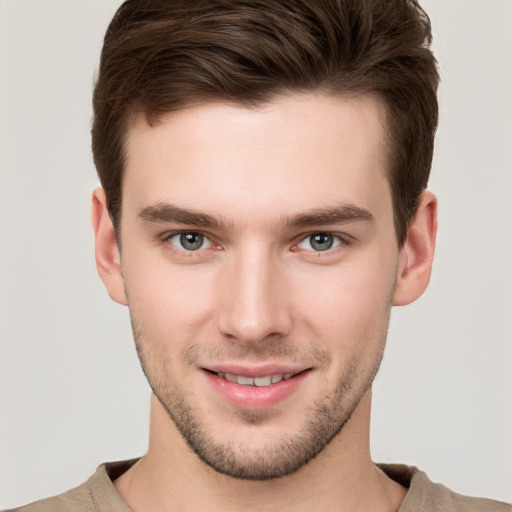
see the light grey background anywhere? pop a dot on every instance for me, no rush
(71, 391)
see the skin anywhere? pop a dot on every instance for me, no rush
(258, 295)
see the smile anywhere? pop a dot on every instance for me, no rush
(256, 388)
(264, 381)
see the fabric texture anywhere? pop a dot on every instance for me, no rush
(98, 494)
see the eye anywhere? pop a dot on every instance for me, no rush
(189, 241)
(320, 242)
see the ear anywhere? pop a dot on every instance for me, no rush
(417, 253)
(108, 257)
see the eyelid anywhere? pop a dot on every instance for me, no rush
(168, 235)
(343, 238)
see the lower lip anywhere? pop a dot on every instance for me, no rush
(254, 397)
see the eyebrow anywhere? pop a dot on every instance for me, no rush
(164, 212)
(323, 216)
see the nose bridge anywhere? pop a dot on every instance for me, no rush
(253, 303)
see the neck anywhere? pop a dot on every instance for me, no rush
(342, 477)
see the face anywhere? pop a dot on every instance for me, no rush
(259, 260)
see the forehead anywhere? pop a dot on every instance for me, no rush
(298, 151)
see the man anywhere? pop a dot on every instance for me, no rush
(264, 168)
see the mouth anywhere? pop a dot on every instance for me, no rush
(261, 382)
(256, 389)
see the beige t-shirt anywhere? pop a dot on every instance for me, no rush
(98, 494)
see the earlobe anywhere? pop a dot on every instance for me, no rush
(417, 253)
(108, 257)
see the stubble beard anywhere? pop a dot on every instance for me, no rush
(322, 421)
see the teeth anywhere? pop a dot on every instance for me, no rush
(267, 380)
(245, 381)
(263, 381)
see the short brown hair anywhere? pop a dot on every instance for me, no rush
(163, 55)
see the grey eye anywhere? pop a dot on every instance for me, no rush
(190, 241)
(320, 242)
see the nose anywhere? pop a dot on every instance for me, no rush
(253, 303)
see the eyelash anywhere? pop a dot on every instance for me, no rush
(182, 251)
(336, 241)
(340, 240)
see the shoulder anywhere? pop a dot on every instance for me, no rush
(427, 496)
(77, 499)
(96, 495)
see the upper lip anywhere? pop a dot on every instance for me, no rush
(255, 371)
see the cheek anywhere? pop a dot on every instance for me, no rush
(347, 304)
(166, 299)
(350, 319)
